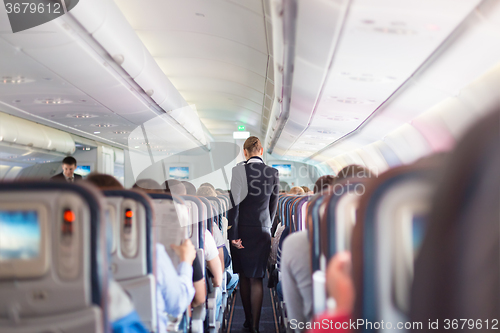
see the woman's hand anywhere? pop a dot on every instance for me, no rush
(237, 244)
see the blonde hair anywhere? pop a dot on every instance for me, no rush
(297, 190)
(252, 145)
(205, 191)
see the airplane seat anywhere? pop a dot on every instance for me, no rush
(197, 220)
(299, 214)
(390, 227)
(457, 270)
(171, 227)
(318, 260)
(53, 259)
(212, 292)
(340, 216)
(133, 246)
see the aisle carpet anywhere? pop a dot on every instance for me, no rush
(267, 324)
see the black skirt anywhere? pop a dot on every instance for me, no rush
(252, 259)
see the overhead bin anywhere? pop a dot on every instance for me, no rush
(113, 32)
(28, 133)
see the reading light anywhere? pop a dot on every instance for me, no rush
(241, 135)
(69, 216)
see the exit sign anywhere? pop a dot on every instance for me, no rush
(241, 127)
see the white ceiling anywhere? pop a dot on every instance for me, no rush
(214, 52)
(393, 61)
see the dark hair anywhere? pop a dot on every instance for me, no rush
(252, 145)
(323, 182)
(209, 185)
(103, 181)
(190, 188)
(69, 160)
(354, 170)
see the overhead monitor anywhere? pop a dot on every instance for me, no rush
(22, 241)
(178, 172)
(82, 170)
(285, 170)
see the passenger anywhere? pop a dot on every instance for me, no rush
(104, 181)
(149, 185)
(323, 182)
(306, 190)
(296, 259)
(175, 187)
(224, 256)
(254, 194)
(296, 190)
(174, 287)
(68, 171)
(339, 287)
(209, 185)
(190, 188)
(297, 277)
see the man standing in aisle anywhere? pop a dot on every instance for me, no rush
(68, 173)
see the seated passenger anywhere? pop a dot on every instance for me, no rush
(340, 288)
(307, 190)
(174, 287)
(295, 266)
(323, 183)
(297, 277)
(173, 186)
(296, 190)
(208, 185)
(190, 188)
(149, 185)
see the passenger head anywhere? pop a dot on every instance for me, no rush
(323, 183)
(252, 147)
(149, 185)
(354, 171)
(306, 189)
(209, 185)
(69, 166)
(174, 186)
(190, 188)
(296, 190)
(205, 191)
(103, 181)
(339, 282)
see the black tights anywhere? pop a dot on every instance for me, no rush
(252, 292)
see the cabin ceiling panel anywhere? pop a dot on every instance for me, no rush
(214, 52)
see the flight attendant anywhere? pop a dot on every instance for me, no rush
(254, 196)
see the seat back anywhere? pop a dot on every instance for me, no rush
(318, 262)
(386, 238)
(197, 220)
(53, 261)
(172, 222)
(132, 258)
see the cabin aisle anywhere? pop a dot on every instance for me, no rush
(267, 318)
